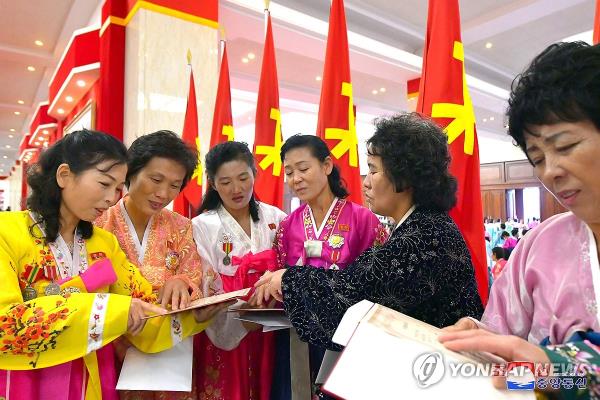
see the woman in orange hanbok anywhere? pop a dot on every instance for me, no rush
(157, 240)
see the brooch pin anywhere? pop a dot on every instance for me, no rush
(172, 261)
(336, 241)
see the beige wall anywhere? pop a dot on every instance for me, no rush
(157, 75)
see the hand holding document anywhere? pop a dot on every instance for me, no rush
(208, 301)
(391, 355)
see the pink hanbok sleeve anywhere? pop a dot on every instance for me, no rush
(280, 245)
(375, 233)
(509, 309)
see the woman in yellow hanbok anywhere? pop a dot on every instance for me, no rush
(66, 288)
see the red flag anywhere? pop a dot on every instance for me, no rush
(597, 24)
(444, 96)
(222, 128)
(267, 138)
(336, 124)
(189, 199)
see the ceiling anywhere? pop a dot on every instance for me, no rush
(386, 40)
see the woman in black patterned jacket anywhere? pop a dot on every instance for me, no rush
(424, 270)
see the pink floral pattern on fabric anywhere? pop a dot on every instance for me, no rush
(170, 233)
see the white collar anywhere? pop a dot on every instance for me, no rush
(312, 218)
(406, 215)
(139, 247)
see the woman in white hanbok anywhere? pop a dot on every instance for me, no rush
(234, 234)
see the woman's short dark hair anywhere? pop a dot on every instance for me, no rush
(504, 234)
(514, 232)
(163, 144)
(217, 156)
(561, 84)
(319, 150)
(414, 153)
(81, 150)
(499, 253)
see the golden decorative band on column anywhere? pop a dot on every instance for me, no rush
(160, 10)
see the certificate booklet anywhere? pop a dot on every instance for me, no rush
(390, 355)
(208, 301)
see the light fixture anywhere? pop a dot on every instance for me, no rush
(45, 131)
(12, 129)
(7, 146)
(60, 111)
(488, 45)
(485, 120)
(11, 136)
(37, 143)
(491, 118)
(17, 112)
(251, 56)
(39, 43)
(20, 102)
(81, 83)
(69, 99)
(318, 78)
(5, 157)
(30, 68)
(382, 90)
(374, 91)
(245, 60)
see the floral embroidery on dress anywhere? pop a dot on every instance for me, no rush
(279, 247)
(96, 323)
(45, 262)
(29, 330)
(134, 287)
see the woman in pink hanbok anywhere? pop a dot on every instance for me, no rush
(234, 234)
(326, 231)
(157, 240)
(549, 290)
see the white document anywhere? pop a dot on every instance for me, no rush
(350, 322)
(382, 368)
(170, 370)
(378, 361)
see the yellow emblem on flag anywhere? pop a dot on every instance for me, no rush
(272, 153)
(463, 115)
(348, 142)
(198, 171)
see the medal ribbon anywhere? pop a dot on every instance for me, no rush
(33, 275)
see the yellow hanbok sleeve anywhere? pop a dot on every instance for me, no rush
(159, 333)
(52, 330)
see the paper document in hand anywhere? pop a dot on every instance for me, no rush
(384, 354)
(209, 301)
